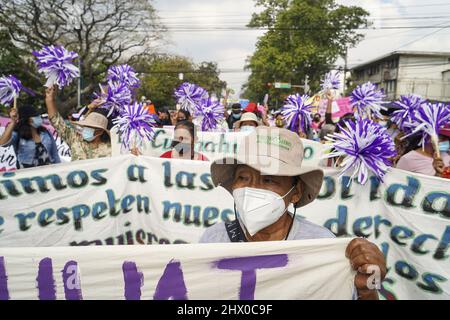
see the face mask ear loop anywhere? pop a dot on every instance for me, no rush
(292, 224)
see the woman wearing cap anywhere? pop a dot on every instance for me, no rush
(248, 123)
(183, 145)
(91, 141)
(33, 144)
(265, 178)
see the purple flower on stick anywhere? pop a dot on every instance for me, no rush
(56, 63)
(297, 112)
(332, 81)
(124, 74)
(365, 147)
(135, 126)
(368, 101)
(189, 95)
(407, 107)
(211, 112)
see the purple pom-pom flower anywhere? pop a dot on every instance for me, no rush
(331, 81)
(429, 119)
(189, 96)
(407, 107)
(297, 112)
(116, 97)
(366, 148)
(368, 100)
(135, 126)
(56, 63)
(124, 74)
(10, 88)
(210, 113)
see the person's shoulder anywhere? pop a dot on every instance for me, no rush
(167, 155)
(215, 234)
(308, 230)
(202, 157)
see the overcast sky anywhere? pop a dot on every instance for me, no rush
(231, 48)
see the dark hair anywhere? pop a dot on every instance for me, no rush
(186, 113)
(412, 143)
(187, 125)
(23, 129)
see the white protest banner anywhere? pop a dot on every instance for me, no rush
(213, 145)
(408, 216)
(115, 201)
(294, 270)
(8, 156)
(144, 200)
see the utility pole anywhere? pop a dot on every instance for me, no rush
(345, 70)
(306, 84)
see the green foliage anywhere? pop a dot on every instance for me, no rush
(304, 37)
(161, 77)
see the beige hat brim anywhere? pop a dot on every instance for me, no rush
(83, 123)
(222, 174)
(237, 124)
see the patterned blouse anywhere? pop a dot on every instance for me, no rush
(81, 149)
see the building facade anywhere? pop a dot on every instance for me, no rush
(404, 72)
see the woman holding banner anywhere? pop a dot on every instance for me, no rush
(33, 144)
(93, 141)
(265, 178)
(183, 145)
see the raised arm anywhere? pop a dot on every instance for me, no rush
(329, 113)
(50, 102)
(7, 135)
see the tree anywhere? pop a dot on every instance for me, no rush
(161, 77)
(103, 32)
(304, 38)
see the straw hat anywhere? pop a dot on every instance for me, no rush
(271, 151)
(94, 120)
(248, 116)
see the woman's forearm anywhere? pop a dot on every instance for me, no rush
(6, 136)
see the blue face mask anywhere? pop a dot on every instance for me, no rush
(36, 122)
(444, 146)
(237, 116)
(88, 134)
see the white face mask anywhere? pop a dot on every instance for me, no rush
(258, 208)
(248, 129)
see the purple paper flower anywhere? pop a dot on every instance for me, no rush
(429, 118)
(297, 112)
(407, 107)
(211, 113)
(368, 100)
(56, 63)
(10, 88)
(124, 74)
(366, 147)
(116, 97)
(332, 81)
(135, 126)
(189, 95)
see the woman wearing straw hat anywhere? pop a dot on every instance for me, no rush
(91, 141)
(265, 178)
(248, 123)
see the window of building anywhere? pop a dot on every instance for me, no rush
(374, 70)
(390, 86)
